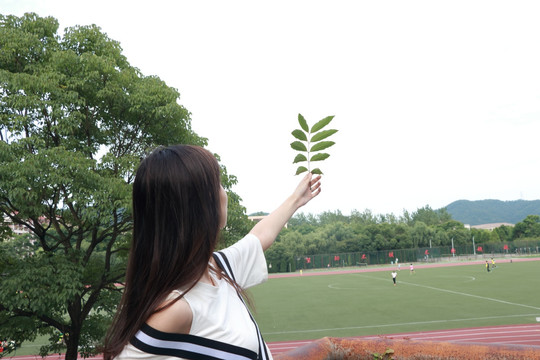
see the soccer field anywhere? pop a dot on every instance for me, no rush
(367, 303)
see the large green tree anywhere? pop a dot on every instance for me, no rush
(528, 227)
(75, 120)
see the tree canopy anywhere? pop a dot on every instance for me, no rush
(75, 120)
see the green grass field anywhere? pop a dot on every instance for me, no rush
(312, 307)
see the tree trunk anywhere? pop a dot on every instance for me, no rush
(73, 335)
(72, 343)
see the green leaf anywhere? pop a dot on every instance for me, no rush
(303, 123)
(303, 142)
(321, 145)
(301, 169)
(319, 157)
(322, 135)
(316, 171)
(322, 123)
(297, 145)
(299, 158)
(299, 134)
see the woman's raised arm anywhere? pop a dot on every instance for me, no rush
(268, 228)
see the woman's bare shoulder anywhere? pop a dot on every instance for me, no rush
(175, 319)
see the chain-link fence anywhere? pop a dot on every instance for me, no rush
(403, 256)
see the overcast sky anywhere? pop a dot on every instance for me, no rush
(435, 101)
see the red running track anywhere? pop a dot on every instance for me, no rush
(374, 268)
(527, 334)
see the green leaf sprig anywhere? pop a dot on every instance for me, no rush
(309, 143)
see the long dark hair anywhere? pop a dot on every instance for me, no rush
(176, 215)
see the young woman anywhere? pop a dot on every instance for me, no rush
(181, 299)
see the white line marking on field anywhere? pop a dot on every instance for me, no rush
(337, 287)
(396, 324)
(471, 295)
(460, 293)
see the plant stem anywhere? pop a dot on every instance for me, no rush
(308, 148)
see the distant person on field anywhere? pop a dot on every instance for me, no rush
(411, 268)
(493, 263)
(487, 266)
(394, 275)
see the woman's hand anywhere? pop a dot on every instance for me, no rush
(308, 188)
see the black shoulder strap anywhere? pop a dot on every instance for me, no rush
(223, 263)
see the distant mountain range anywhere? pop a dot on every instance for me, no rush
(492, 211)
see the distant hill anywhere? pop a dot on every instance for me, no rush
(492, 211)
